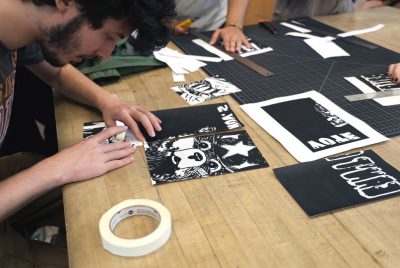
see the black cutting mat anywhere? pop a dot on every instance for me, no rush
(297, 68)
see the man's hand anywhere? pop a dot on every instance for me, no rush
(90, 157)
(130, 114)
(232, 37)
(369, 4)
(394, 72)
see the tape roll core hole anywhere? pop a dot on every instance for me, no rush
(135, 222)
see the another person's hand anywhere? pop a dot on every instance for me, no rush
(130, 114)
(90, 157)
(232, 37)
(369, 4)
(394, 72)
(179, 29)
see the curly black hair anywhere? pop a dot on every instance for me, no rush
(151, 19)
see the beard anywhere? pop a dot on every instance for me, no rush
(60, 39)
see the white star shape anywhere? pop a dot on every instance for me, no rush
(238, 148)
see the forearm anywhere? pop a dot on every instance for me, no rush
(73, 84)
(236, 12)
(22, 188)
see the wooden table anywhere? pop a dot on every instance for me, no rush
(241, 220)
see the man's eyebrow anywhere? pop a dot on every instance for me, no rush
(120, 35)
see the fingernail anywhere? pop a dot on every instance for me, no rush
(152, 134)
(159, 129)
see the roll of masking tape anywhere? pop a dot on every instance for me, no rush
(140, 246)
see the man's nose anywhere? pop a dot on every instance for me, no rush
(105, 51)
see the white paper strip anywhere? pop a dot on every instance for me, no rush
(212, 49)
(302, 35)
(362, 31)
(295, 27)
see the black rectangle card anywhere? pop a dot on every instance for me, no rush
(338, 182)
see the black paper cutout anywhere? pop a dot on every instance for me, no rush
(334, 183)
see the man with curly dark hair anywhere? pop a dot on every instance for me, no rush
(66, 31)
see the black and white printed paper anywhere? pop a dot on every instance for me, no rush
(92, 128)
(181, 122)
(372, 83)
(338, 182)
(203, 156)
(310, 126)
(207, 89)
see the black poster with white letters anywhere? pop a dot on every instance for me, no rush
(338, 182)
(312, 124)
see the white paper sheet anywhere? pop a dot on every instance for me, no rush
(333, 113)
(178, 77)
(326, 48)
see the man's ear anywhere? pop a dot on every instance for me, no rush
(64, 5)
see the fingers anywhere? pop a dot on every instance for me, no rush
(232, 38)
(119, 153)
(181, 30)
(117, 146)
(108, 132)
(215, 37)
(115, 164)
(394, 72)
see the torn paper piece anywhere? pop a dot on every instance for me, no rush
(362, 31)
